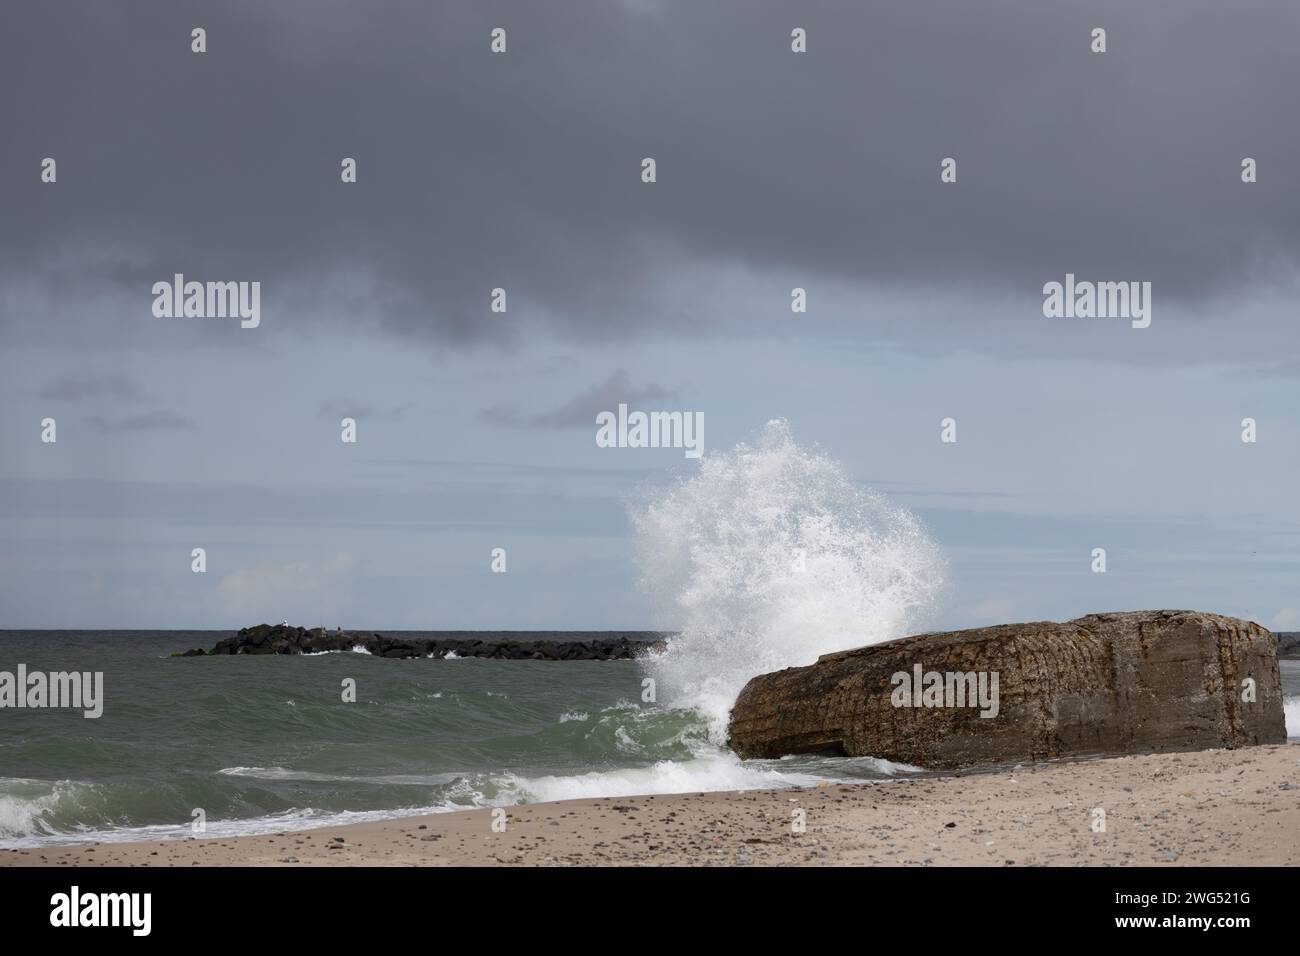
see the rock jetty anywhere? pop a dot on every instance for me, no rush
(284, 639)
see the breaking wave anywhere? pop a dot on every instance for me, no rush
(771, 555)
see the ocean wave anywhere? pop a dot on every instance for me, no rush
(289, 821)
(307, 776)
(24, 818)
(713, 772)
(1291, 706)
(479, 746)
(26, 805)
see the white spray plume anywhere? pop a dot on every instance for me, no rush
(772, 556)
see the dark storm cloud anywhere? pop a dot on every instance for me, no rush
(522, 170)
(581, 410)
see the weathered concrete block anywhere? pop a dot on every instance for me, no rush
(1131, 682)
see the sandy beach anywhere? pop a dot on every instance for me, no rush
(1226, 808)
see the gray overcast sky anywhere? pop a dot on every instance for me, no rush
(522, 170)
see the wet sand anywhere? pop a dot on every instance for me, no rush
(1225, 808)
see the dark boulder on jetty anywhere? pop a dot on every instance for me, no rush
(1288, 645)
(1103, 684)
(283, 639)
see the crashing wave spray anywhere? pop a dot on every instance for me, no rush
(772, 556)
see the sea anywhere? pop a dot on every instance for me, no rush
(268, 743)
(256, 744)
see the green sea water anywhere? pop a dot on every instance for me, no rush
(260, 744)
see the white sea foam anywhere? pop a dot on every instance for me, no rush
(289, 820)
(25, 805)
(1291, 706)
(720, 770)
(22, 805)
(286, 773)
(770, 556)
